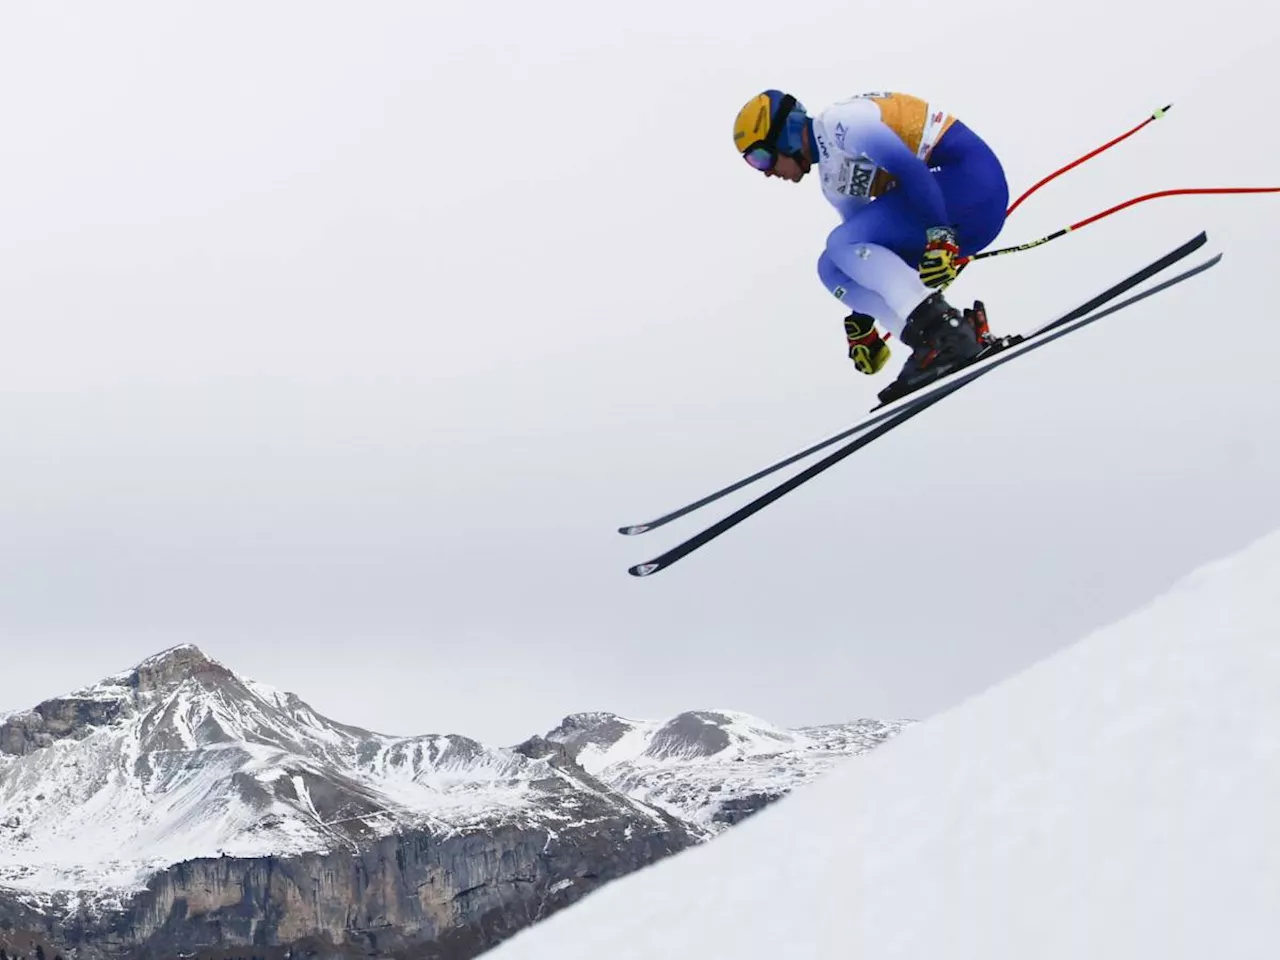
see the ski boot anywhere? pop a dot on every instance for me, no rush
(976, 316)
(942, 339)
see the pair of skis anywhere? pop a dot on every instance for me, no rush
(888, 416)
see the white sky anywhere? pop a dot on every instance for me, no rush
(339, 339)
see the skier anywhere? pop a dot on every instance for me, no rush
(915, 190)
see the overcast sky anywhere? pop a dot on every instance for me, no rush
(340, 338)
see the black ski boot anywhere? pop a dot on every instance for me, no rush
(942, 339)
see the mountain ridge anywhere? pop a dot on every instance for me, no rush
(178, 758)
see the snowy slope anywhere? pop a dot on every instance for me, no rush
(711, 768)
(1124, 804)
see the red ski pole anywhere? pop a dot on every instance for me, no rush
(1089, 156)
(963, 261)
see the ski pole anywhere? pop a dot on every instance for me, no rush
(964, 261)
(1088, 156)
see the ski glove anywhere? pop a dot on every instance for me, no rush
(867, 349)
(938, 263)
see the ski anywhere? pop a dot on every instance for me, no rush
(885, 411)
(901, 415)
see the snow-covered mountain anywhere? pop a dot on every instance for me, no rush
(179, 758)
(1121, 802)
(711, 768)
(167, 786)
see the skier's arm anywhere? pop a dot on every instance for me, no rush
(886, 148)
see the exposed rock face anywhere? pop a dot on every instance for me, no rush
(582, 730)
(73, 716)
(177, 809)
(409, 896)
(52, 720)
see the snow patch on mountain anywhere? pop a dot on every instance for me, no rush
(711, 768)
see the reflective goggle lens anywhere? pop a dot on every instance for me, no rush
(762, 158)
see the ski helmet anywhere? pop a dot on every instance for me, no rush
(770, 124)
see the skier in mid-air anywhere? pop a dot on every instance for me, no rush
(919, 195)
(916, 190)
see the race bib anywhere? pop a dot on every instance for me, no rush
(855, 176)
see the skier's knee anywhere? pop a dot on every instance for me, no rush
(833, 278)
(839, 239)
(829, 273)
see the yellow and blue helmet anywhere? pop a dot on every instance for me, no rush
(769, 125)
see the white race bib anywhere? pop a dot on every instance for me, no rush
(855, 175)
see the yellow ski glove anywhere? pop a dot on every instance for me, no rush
(867, 348)
(938, 263)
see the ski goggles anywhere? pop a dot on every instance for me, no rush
(762, 155)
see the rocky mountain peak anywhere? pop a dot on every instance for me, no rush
(705, 733)
(110, 700)
(695, 733)
(586, 720)
(171, 667)
(597, 729)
